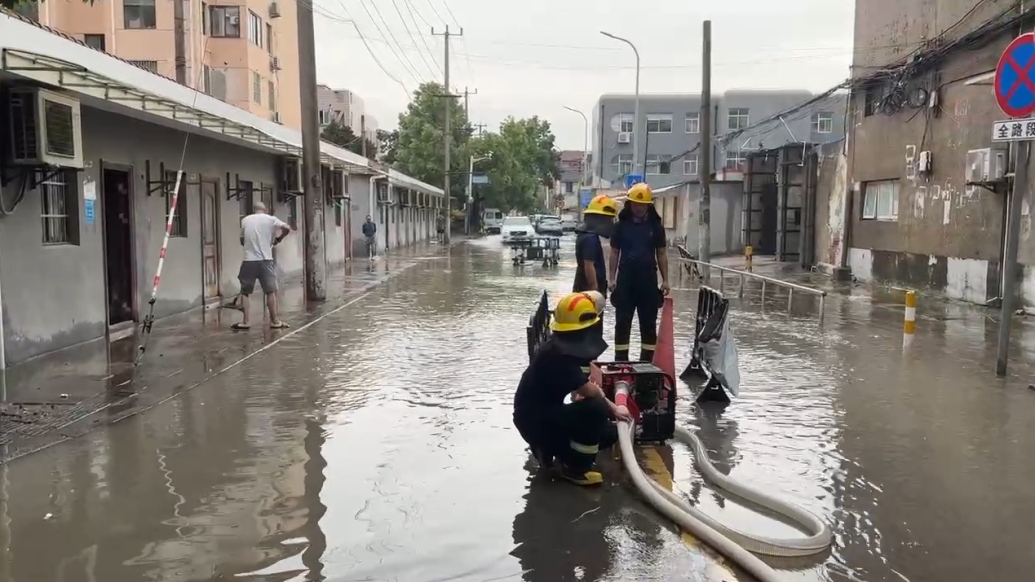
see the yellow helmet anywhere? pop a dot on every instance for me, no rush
(641, 193)
(602, 205)
(574, 312)
(598, 300)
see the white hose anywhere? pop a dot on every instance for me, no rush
(689, 520)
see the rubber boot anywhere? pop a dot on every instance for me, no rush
(646, 355)
(543, 457)
(579, 470)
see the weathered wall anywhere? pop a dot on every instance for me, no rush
(947, 234)
(54, 296)
(830, 211)
(726, 217)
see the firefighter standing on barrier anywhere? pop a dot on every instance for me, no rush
(637, 254)
(598, 221)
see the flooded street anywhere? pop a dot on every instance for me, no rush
(376, 445)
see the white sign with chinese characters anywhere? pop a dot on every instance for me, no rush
(1013, 130)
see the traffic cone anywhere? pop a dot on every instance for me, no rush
(665, 350)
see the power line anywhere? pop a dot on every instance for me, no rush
(413, 16)
(331, 16)
(420, 53)
(405, 60)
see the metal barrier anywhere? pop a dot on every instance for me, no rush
(712, 311)
(538, 330)
(698, 269)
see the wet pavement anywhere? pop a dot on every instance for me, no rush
(375, 443)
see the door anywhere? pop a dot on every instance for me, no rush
(117, 205)
(769, 220)
(346, 206)
(210, 237)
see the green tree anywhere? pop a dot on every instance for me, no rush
(343, 136)
(521, 159)
(418, 149)
(388, 140)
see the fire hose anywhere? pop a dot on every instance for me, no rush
(735, 545)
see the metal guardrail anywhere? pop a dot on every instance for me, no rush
(701, 270)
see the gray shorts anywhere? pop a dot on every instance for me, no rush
(264, 271)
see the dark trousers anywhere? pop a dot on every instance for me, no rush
(636, 296)
(572, 433)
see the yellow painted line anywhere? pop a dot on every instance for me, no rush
(654, 465)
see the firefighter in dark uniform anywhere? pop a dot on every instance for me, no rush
(598, 221)
(637, 255)
(571, 433)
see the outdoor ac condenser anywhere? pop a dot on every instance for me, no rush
(45, 129)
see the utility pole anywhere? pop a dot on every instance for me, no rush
(468, 203)
(446, 134)
(704, 212)
(1013, 227)
(363, 134)
(315, 253)
(180, 44)
(480, 126)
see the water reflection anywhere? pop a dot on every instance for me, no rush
(718, 436)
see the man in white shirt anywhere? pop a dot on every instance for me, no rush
(259, 233)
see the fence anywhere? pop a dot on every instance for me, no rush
(701, 270)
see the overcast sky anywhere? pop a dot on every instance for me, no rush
(535, 57)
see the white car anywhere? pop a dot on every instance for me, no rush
(568, 223)
(516, 228)
(492, 218)
(550, 225)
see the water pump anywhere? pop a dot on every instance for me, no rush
(651, 396)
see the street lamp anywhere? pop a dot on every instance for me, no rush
(585, 144)
(470, 190)
(636, 108)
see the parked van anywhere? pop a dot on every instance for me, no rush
(492, 218)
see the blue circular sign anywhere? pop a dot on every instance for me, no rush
(1014, 87)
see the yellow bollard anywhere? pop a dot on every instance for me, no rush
(748, 253)
(909, 319)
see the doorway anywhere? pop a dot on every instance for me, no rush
(117, 204)
(210, 264)
(769, 219)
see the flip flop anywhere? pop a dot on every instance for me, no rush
(239, 327)
(280, 325)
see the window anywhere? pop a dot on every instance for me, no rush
(693, 123)
(881, 200)
(824, 122)
(690, 165)
(623, 122)
(95, 41)
(59, 208)
(735, 160)
(338, 212)
(738, 118)
(292, 205)
(269, 38)
(569, 187)
(204, 19)
(179, 225)
(257, 87)
(325, 116)
(659, 123)
(622, 163)
(273, 96)
(874, 94)
(245, 194)
(225, 21)
(138, 14)
(151, 66)
(254, 29)
(659, 164)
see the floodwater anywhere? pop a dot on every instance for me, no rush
(376, 444)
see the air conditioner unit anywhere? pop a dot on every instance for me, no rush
(624, 136)
(45, 129)
(274, 10)
(275, 117)
(274, 63)
(986, 165)
(291, 180)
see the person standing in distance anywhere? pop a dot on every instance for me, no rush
(598, 221)
(637, 255)
(259, 233)
(370, 231)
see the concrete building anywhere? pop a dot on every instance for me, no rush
(669, 132)
(90, 159)
(245, 54)
(348, 108)
(919, 198)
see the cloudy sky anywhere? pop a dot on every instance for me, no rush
(535, 57)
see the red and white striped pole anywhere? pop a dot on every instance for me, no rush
(168, 231)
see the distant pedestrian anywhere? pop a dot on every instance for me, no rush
(260, 232)
(370, 231)
(440, 227)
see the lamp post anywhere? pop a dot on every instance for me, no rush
(585, 143)
(470, 191)
(636, 108)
